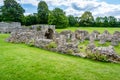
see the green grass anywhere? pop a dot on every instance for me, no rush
(21, 62)
(86, 42)
(90, 29)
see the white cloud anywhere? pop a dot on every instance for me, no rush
(77, 7)
(27, 14)
(33, 2)
(1, 2)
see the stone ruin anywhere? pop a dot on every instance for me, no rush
(95, 35)
(102, 38)
(81, 35)
(70, 36)
(9, 27)
(115, 41)
(45, 36)
(105, 36)
(102, 53)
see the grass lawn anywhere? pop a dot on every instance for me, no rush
(21, 62)
(90, 29)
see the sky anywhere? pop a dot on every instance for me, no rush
(75, 7)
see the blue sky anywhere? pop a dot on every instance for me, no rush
(112, 1)
(76, 7)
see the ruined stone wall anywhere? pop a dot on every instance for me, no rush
(68, 42)
(9, 27)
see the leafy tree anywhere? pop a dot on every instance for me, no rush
(112, 21)
(0, 14)
(31, 19)
(12, 11)
(72, 20)
(87, 19)
(0, 18)
(57, 17)
(118, 22)
(43, 12)
(105, 21)
(99, 22)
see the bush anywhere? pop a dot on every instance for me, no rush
(70, 51)
(38, 28)
(97, 56)
(51, 45)
(31, 42)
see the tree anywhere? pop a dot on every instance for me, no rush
(99, 22)
(105, 21)
(0, 18)
(57, 17)
(12, 11)
(87, 19)
(0, 14)
(72, 20)
(31, 19)
(112, 21)
(43, 12)
(118, 22)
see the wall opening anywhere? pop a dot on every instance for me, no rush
(49, 34)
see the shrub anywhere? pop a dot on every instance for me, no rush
(68, 40)
(51, 45)
(38, 28)
(97, 56)
(31, 42)
(70, 51)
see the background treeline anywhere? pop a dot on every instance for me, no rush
(13, 11)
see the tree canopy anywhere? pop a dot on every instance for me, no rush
(73, 21)
(43, 12)
(30, 19)
(57, 17)
(12, 11)
(86, 19)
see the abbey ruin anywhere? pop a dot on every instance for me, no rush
(9, 27)
(68, 42)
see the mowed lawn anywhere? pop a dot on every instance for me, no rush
(21, 62)
(90, 29)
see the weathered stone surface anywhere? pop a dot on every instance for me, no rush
(41, 43)
(21, 37)
(91, 38)
(102, 38)
(90, 47)
(95, 35)
(66, 41)
(115, 40)
(67, 34)
(9, 27)
(104, 50)
(117, 33)
(108, 51)
(61, 40)
(81, 35)
(108, 36)
(98, 53)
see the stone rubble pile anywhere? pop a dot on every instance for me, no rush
(67, 41)
(107, 53)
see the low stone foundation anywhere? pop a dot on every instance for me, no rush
(68, 42)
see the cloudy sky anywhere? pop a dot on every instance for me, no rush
(76, 7)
